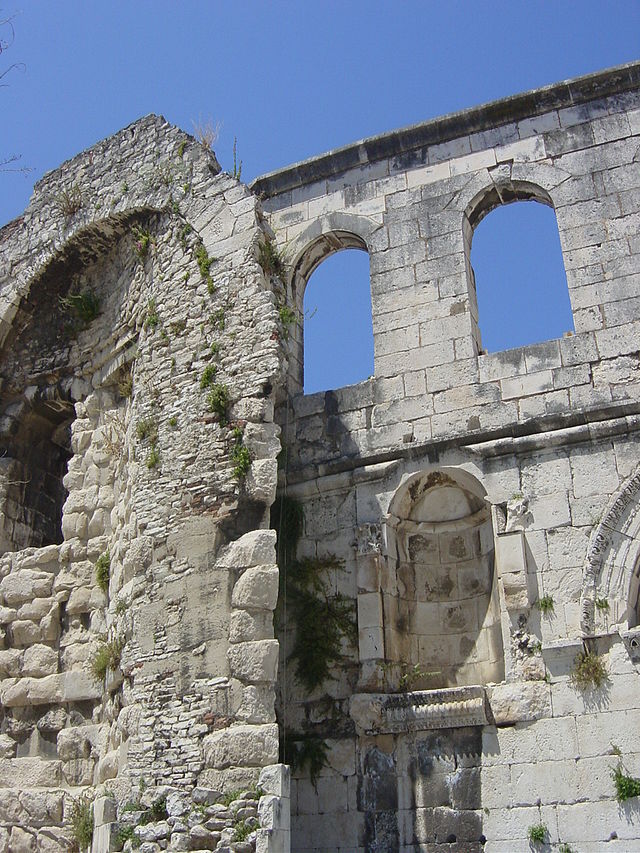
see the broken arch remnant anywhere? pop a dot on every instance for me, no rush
(406, 477)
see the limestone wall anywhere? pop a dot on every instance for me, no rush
(141, 352)
(427, 745)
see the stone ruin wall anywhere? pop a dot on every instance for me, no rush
(458, 488)
(545, 436)
(192, 576)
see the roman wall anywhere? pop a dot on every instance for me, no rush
(436, 546)
(484, 506)
(141, 349)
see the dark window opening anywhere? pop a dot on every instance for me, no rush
(520, 281)
(338, 332)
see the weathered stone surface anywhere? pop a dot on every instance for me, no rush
(519, 701)
(255, 661)
(251, 746)
(256, 589)
(253, 549)
(39, 660)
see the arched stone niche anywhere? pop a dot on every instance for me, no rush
(441, 613)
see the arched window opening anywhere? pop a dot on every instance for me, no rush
(520, 281)
(338, 333)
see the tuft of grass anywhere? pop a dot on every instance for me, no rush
(142, 242)
(107, 656)
(204, 265)
(242, 830)
(287, 318)
(125, 385)
(626, 786)
(69, 201)
(602, 604)
(218, 402)
(306, 751)
(270, 258)
(588, 671)
(81, 823)
(230, 797)
(537, 833)
(103, 571)
(153, 457)
(206, 131)
(237, 167)
(85, 306)
(545, 604)
(147, 428)
(208, 375)
(173, 421)
(153, 318)
(241, 458)
(124, 834)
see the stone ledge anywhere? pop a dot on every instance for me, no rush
(419, 711)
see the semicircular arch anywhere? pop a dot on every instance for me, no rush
(612, 558)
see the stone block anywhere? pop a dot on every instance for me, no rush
(276, 779)
(514, 702)
(40, 660)
(245, 626)
(256, 588)
(255, 661)
(258, 547)
(248, 746)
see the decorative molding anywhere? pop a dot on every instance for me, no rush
(419, 711)
(600, 546)
(369, 539)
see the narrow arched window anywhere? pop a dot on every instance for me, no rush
(338, 334)
(520, 280)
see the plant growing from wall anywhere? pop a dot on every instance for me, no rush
(204, 265)
(322, 619)
(142, 242)
(602, 604)
(242, 829)
(237, 168)
(287, 318)
(545, 604)
(103, 570)
(270, 259)
(305, 752)
(589, 671)
(125, 384)
(147, 428)
(153, 457)
(218, 402)
(153, 318)
(69, 201)
(240, 455)
(537, 833)
(124, 834)
(208, 376)
(84, 306)
(81, 824)
(626, 786)
(107, 656)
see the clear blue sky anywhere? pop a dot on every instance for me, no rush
(288, 79)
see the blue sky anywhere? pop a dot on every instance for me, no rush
(288, 79)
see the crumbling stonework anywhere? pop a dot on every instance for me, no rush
(131, 294)
(474, 517)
